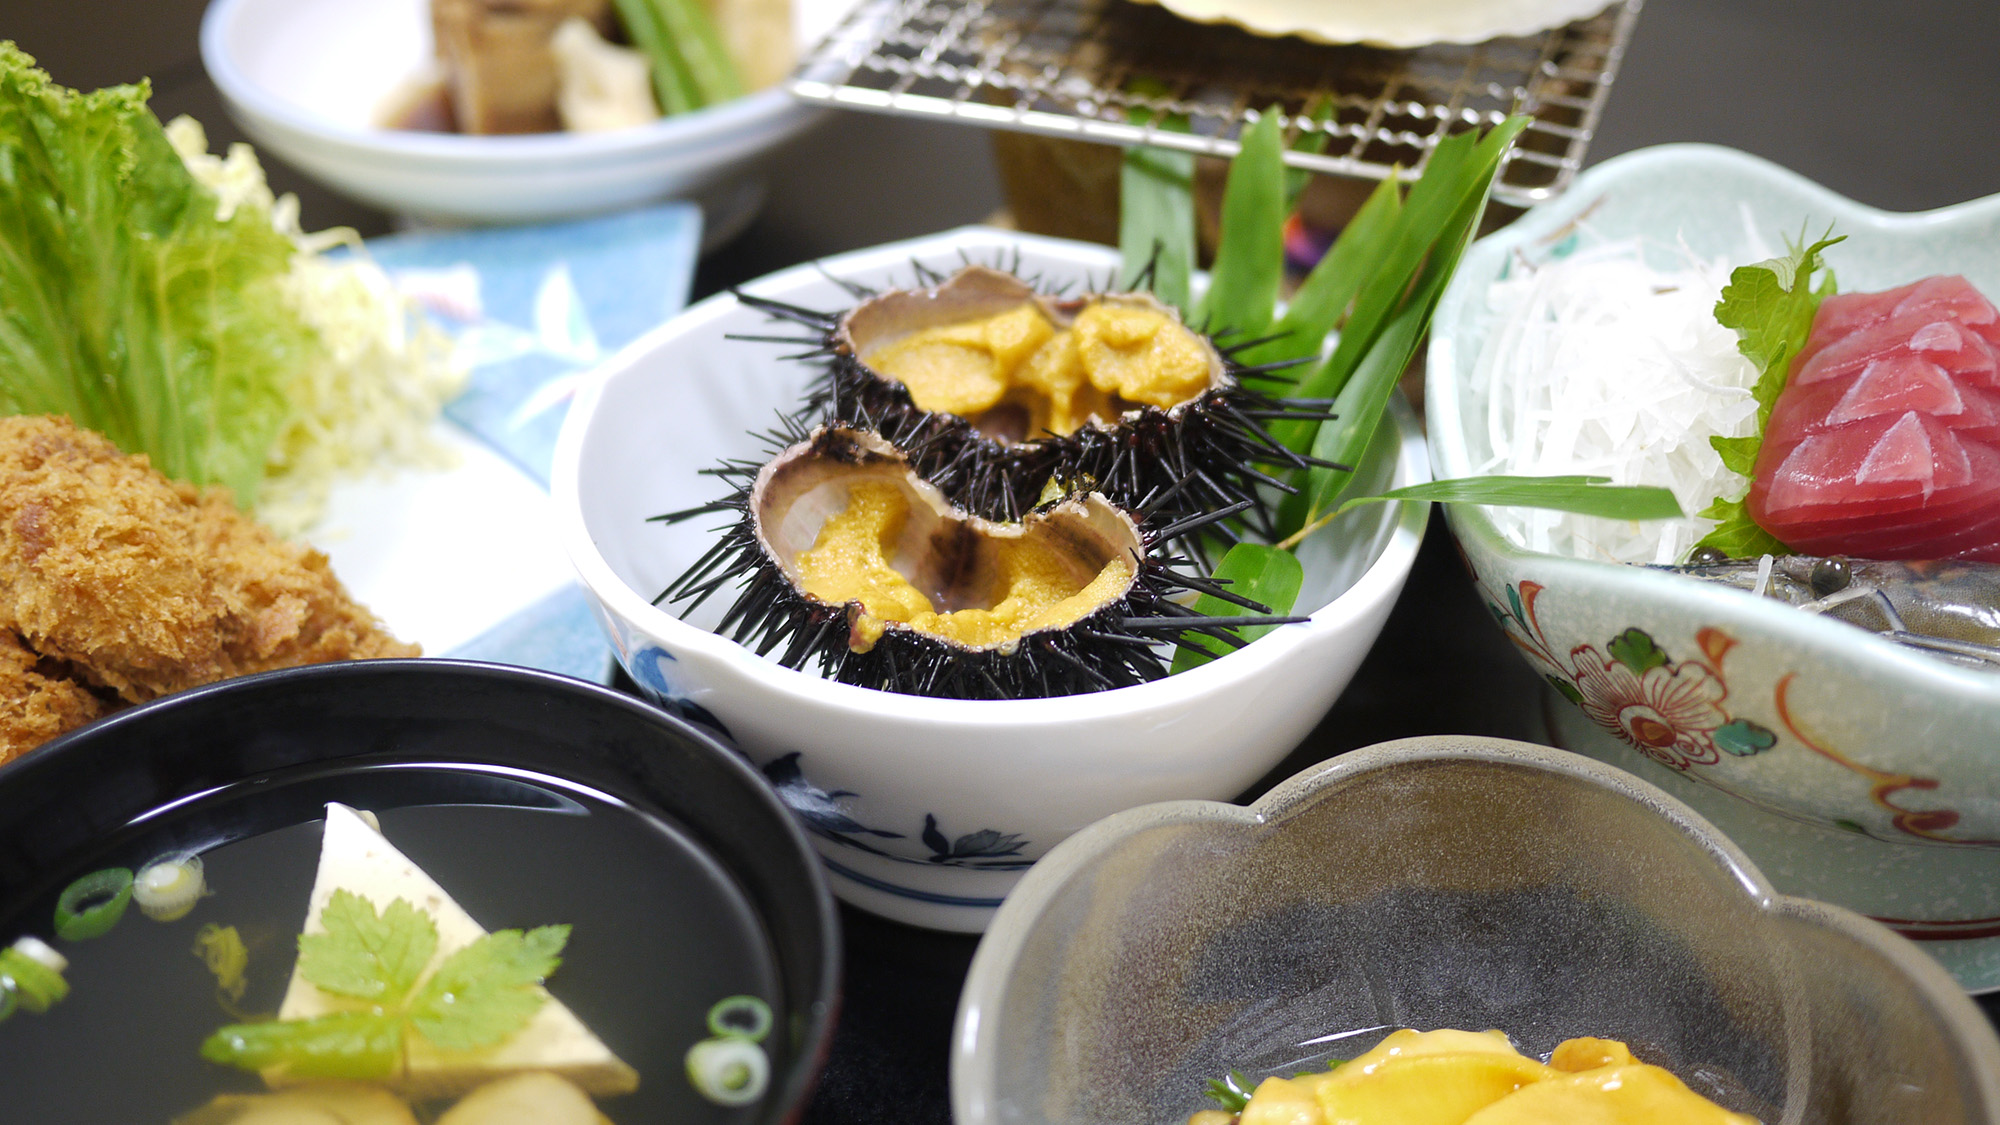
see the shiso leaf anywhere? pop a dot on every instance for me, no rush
(1156, 228)
(1737, 536)
(1250, 259)
(486, 991)
(366, 955)
(129, 306)
(362, 1044)
(1252, 570)
(1770, 305)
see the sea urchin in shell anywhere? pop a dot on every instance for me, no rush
(1162, 418)
(849, 560)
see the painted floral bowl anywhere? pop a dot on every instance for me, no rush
(928, 810)
(1446, 882)
(1852, 768)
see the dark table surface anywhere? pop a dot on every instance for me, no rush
(1894, 105)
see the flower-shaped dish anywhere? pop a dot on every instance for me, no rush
(1445, 882)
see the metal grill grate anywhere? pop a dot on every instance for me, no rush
(1067, 68)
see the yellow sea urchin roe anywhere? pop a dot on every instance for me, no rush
(1610, 1095)
(1033, 587)
(1477, 1078)
(1587, 1053)
(1141, 355)
(849, 561)
(963, 368)
(1113, 358)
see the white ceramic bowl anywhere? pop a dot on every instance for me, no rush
(306, 80)
(927, 810)
(1851, 768)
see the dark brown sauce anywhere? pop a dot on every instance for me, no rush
(421, 108)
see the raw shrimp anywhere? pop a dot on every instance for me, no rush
(1949, 606)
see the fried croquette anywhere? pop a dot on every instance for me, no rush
(143, 586)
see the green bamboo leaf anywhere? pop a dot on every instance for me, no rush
(1254, 571)
(1584, 495)
(1362, 392)
(1441, 209)
(1319, 112)
(1250, 260)
(1156, 210)
(1329, 289)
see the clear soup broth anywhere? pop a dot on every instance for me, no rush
(660, 933)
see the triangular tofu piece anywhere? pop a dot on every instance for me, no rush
(356, 857)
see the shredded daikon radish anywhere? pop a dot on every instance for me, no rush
(1608, 360)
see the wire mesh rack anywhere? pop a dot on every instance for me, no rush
(1080, 69)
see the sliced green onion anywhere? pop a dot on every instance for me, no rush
(728, 1071)
(740, 1017)
(89, 907)
(33, 971)
(168, 887)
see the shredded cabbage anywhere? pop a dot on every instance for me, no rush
(176, 307)
(365, 400)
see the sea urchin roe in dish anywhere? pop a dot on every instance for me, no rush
(1028, 584)
(1044, 379)
(1451, 1077)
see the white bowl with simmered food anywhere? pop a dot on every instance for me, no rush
(927, 810)
(311, 80)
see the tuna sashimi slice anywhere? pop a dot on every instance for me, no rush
(1886, 440)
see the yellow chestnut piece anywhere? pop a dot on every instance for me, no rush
(1613, 1095)
(1420, 1088)
(1587, 1053)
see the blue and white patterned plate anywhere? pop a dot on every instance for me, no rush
(464, 560)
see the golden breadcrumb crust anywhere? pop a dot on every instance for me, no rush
(142, 586)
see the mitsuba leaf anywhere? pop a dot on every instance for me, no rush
(338, 1045)
(486, 991)
(366, 955)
